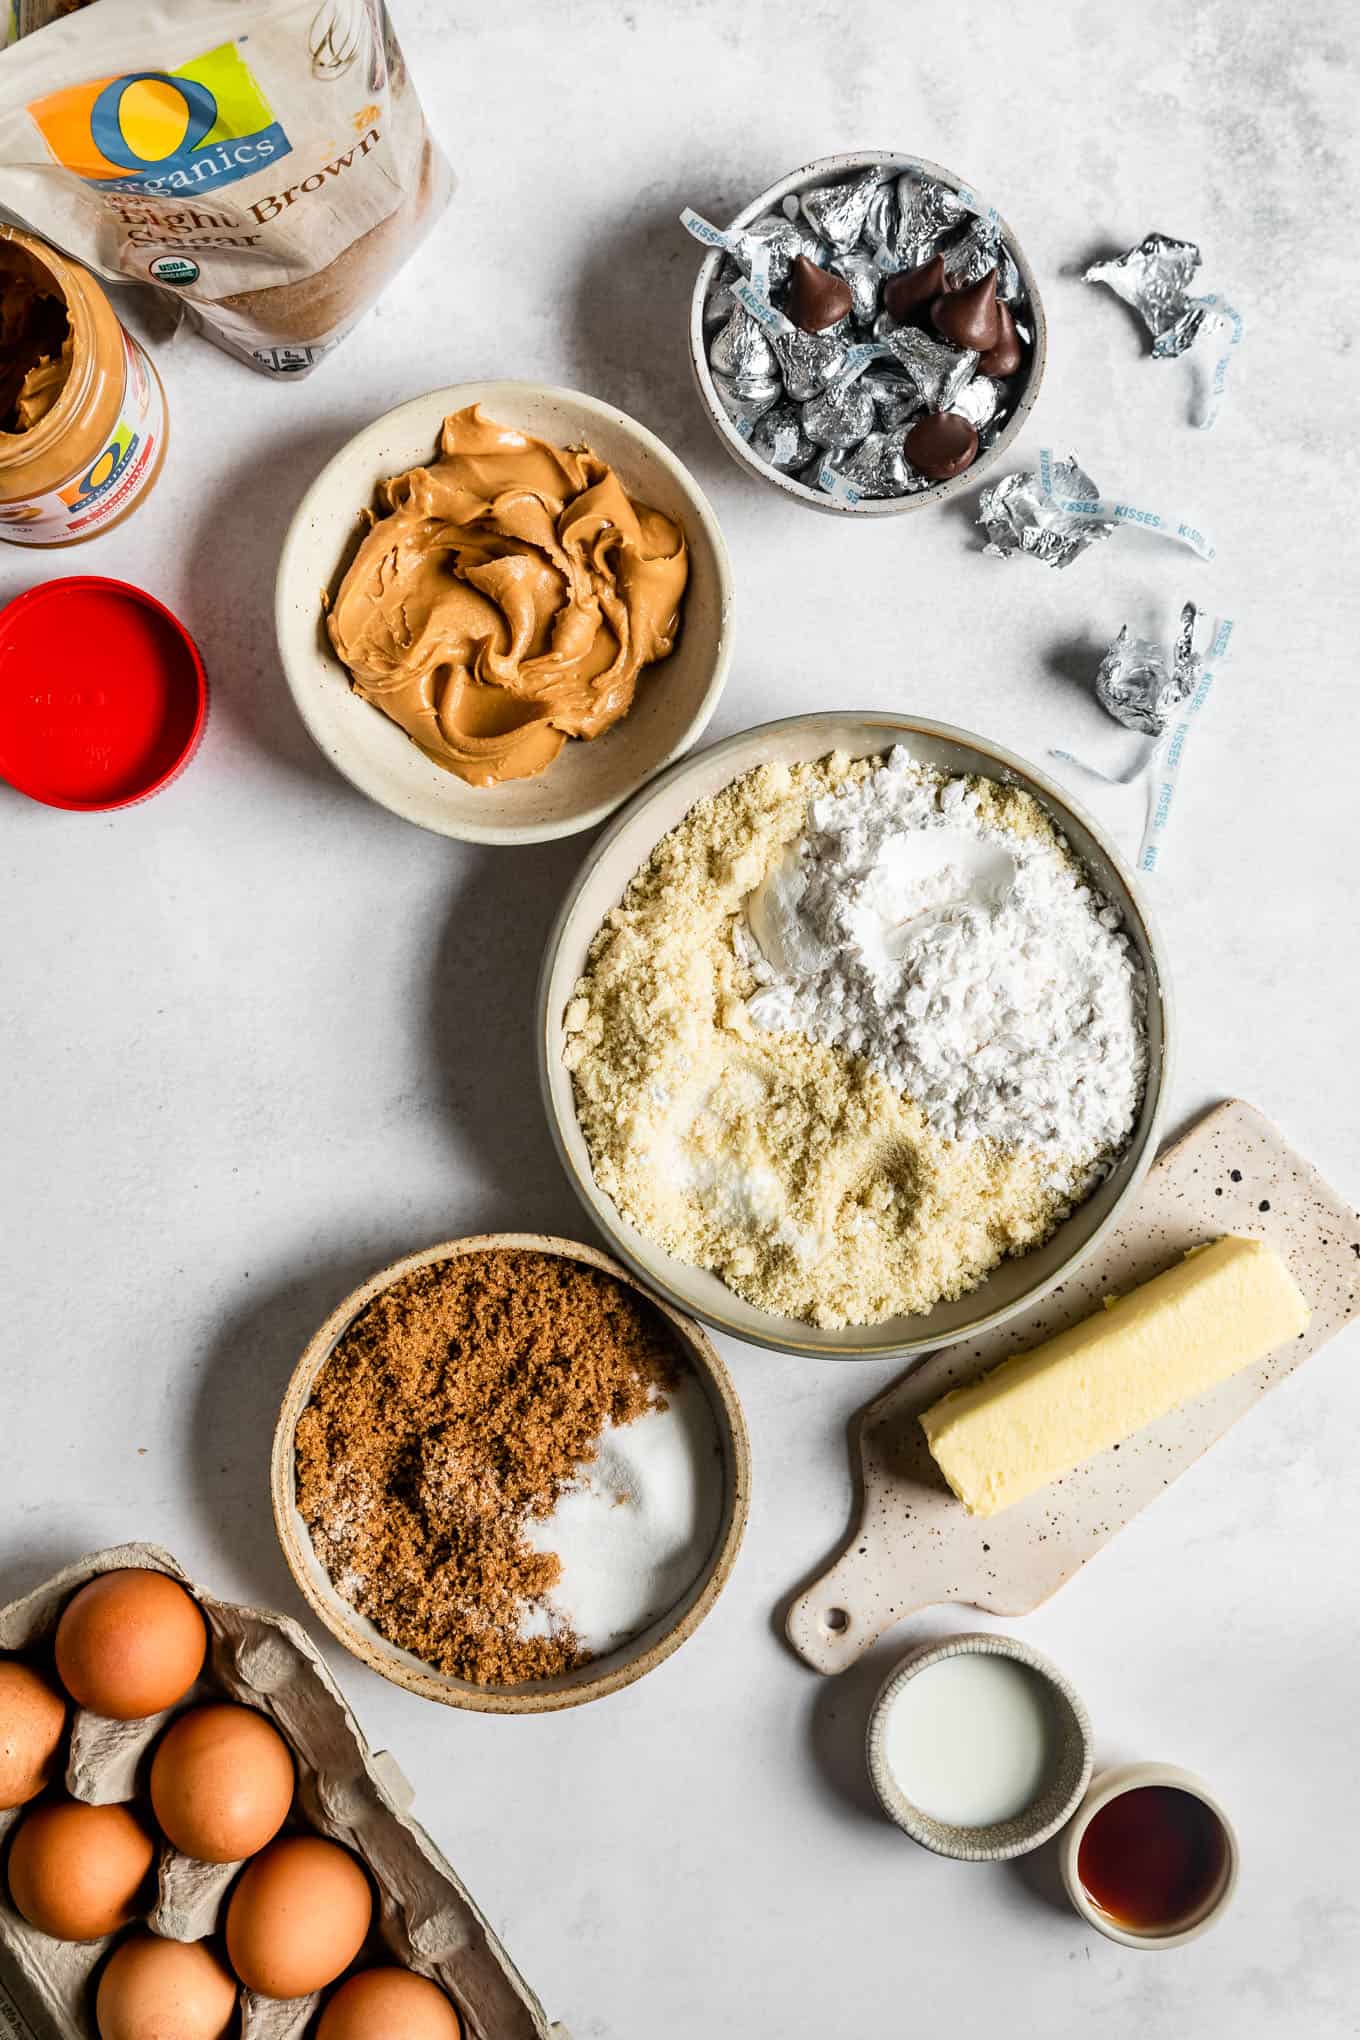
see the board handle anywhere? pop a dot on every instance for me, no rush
(844, 1612)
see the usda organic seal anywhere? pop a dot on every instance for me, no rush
(174, 269)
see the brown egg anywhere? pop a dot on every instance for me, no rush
(221, 1783)
(76, 1871)
(391, 2003)
(32, 1718)
(298, 1916)
(165, 1990)
(129, 1644)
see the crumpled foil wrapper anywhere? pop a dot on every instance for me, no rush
(1159, 694)
(1019, 517)
(1142, 684)
(1155, 279)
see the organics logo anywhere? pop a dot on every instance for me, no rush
(189, 130)
(105, 471)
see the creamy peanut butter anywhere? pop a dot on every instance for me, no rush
(35, 340)
(42, 385)
(82, 412)
(508, 600)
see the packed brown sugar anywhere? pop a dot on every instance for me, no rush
(453, 1411)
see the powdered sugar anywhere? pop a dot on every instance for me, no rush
(975, 967)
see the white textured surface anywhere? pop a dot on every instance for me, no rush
(264, 1036)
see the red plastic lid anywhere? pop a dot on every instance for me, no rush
(103, 696)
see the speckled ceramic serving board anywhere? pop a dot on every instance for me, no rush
(916, 1545)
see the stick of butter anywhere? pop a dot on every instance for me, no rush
(1039, 1415)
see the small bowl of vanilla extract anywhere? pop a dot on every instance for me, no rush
(1150, 1857)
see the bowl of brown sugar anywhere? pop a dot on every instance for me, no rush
(507, 1477)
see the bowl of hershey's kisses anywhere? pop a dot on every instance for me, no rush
(867, 335)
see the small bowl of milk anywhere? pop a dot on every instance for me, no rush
(979, 1748)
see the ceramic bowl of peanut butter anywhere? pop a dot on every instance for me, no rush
(501, 608)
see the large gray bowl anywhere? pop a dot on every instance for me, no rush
(625, 847)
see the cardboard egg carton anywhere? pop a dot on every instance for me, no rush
(426, 1920)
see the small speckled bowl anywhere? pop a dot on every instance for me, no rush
(1068, 1776)
(1133, 1778)
(812, 176)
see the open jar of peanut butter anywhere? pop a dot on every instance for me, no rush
(82, 410)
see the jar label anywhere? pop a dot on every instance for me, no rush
(100, 493)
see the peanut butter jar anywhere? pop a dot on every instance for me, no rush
(82, 411)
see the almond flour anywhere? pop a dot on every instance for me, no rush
(791, 1165)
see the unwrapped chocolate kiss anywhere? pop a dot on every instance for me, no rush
(941, 445)
(1005, 354)
(969, 317)
(908, 291)
(816, 298)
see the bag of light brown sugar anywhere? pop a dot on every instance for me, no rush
(263, 163)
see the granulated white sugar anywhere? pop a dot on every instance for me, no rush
(636, 1526)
